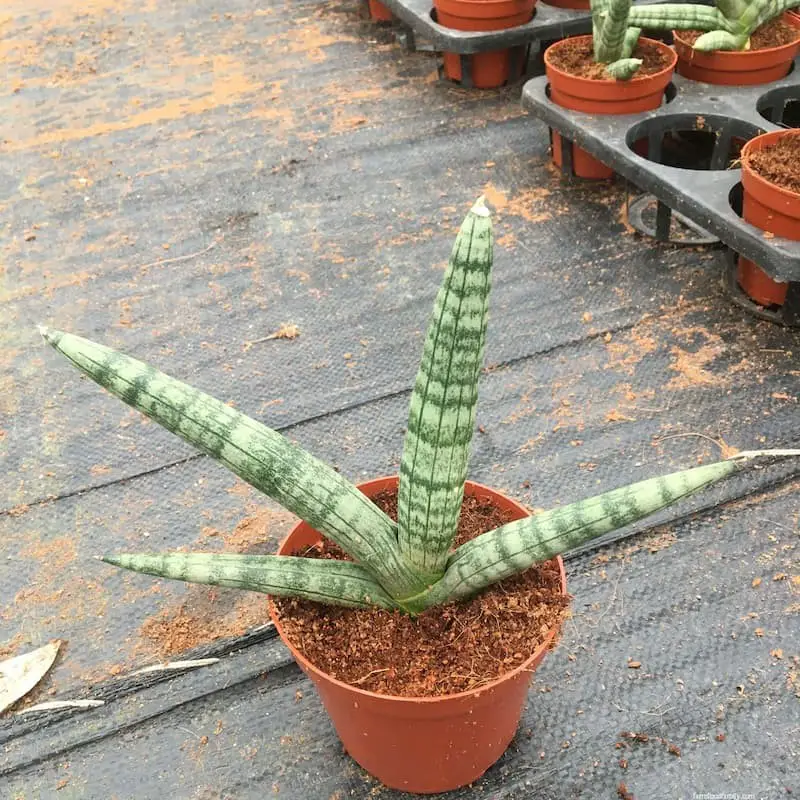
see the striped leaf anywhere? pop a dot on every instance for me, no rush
(630, 42)
(442, 413)
(677, 16)
(721, 40)
(265, 459)
(611, 34)
(341, 583)
(514, 547)
(624, 69)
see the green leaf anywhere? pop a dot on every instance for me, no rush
(720, 40)
(608, 44)
(265, 459)
(624, 69)
(631, 40)
(514, 547)
(341, 583)
(442, 413)
(677, 16)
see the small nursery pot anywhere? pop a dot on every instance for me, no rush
(492, 69)
(737, 67)
(770, 208)
(426, 744)
(602, 97)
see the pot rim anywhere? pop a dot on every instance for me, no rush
(485, 3)
(787, 16)
(538, 653)
(555, 71)
(749, 174)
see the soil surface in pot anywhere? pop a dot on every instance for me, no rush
(576, 57)
(447, 649)
(774, 33)
(779, 163)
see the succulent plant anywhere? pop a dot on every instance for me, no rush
(728, 24)
(614, 38)
(410, 565)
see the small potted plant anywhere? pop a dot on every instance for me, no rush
(613, 71)
(359, 571)
(735, 42)
(771, 202)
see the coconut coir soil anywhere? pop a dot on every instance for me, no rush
(447, 649)
(779, 163)
(576, 57)
(774, 33)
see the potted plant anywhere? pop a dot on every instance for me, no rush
(613, 71)
(771, 202)
(746, 42)
(389, 573)
(493, 68)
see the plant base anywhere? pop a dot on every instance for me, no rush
(430, 744)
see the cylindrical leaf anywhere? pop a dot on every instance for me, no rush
(442, 414)
(328, 581)
(514, 547)
(257, 454)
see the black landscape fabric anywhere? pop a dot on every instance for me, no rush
(183, 181)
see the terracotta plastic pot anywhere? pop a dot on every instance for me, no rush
(737, 67)
(602, 97)
(492, 69)
(379, 12)
(427, 744)
(770, 208)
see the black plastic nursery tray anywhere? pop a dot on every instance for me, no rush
(549, 23)
(693, 141)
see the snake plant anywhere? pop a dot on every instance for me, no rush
(409, 565)
(614, 38)
(728, 24)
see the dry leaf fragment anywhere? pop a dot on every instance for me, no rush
(288, 330)
(616, 416)
(55, 705)
(21, 674)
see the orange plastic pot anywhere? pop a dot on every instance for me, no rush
(492, 69)
(770, 208)
(379, 12)
(602, 97)
(737, 67)
(426, 744)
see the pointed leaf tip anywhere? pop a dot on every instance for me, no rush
(479, 207)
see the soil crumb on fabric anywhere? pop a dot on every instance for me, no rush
(447, 649)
